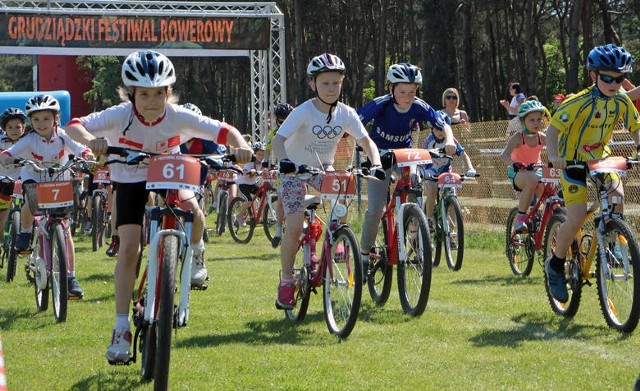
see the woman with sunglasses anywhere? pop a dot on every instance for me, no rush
(450, 103)
(580, 129)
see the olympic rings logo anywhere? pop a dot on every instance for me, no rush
(329, 132)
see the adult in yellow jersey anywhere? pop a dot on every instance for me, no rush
(580, 129)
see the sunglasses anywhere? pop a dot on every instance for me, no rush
(610, 79)
(451, 97)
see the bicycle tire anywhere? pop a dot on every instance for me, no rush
(380, 273)
(240, 234)
(303, 286)
(58, 277)
(40, 276)
(221, 219)
(574, 277)
(148, 343)
(453, 233)
(96, 217)
(519, 248)
(12, 256)
(165, 320)
(621, 283)
(342, 283)
(269, 215)
(435, 234)
(414, 271)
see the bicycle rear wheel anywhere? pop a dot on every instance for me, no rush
(618, 283)
(303, 287)
(269, 215)
(414, 270)
(519, 248)
(380, 273)
(221, 218)
(574, 275)
(10, 251)
(453, 233)
(241, 227)
(148, 342)
(59, 282)
(165, 321)
(97, 220)
(342, 279)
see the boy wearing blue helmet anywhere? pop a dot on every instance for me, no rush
(580, 130)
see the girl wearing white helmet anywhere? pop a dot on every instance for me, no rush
(395, 116)
(310, 136)
(523, 149)
(149, 121)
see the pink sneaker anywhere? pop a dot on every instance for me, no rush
(286, 295)
(521, 223)
(339, 255)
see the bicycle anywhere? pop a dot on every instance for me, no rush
(162, 300)
(226, 179)
(11, 228)
(521, 247)
(448, 227)
(100, 216)
(338, 269)
(612, 245)
(51, 201)
(261, 210)
(403, 238)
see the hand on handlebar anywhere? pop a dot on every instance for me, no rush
(517, 166)
(286, 166)
(450, 149)
(242, 155)
(558, 162)
(98, 146)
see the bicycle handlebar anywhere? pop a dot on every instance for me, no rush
(135, 156)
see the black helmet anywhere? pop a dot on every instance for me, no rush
(11, 113)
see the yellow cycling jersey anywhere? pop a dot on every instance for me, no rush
(270, 137)
(586, 121)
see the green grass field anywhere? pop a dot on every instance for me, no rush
(483, 329)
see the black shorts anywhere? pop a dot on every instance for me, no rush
(248, 190)
(130, 203)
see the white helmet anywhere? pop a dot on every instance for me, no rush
(404, 73)
(193, 108)
(325, 63)
(146, 68)
(41, 103)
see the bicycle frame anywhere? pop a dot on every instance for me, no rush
(551, 200)
(262, 193)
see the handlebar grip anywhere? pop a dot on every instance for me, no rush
(116, 151)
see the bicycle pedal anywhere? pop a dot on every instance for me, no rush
(122, 363)
(24, 252)
(201, 287)
(74, 298)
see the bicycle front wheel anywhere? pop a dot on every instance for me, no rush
(453, 233)
(269, 215)
(165, 320)
(618, 286)
(241, 226)
(342, 279)
(59, 282)
(221, 219)
(380, 273)
(97, 222)
(303, 286)
(414, 269)
(519, 248)
(10, 253)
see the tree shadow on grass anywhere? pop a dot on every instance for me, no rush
(115, 379)
(533, 327)
(234, 257)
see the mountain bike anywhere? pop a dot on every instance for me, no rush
(100, 216)
(260, 210)
(226, 179)
(11, 228)
(52, 201)
(521, 247)
(403, 238)
(448, 227)
(338, 269)
(611, 247)
(162, 300)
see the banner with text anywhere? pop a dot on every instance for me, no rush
(92, 31)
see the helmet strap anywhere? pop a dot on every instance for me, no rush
(331, 106)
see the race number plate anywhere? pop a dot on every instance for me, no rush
(411, 156)
(338, 185)
(55, 194)
(101, 176)
(449, 179)
(173, 172)
(550, 175)
(608, 165)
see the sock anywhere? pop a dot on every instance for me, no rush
(22, 230)
(122, 321)
(556, 263)
(285, 280)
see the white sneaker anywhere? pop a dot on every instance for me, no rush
(198, 270)
(87, 228)
(277, 237)
(119, 350)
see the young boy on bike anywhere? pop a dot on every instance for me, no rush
(310, 136)
(525, 148)
(49, 144)
(149, 121)
(580, 130)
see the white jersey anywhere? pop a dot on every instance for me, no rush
(9, 170)
(121, 126)
(311, 140)
(247, 179)
(54, 151)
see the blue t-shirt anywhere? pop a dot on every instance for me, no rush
(391, 128)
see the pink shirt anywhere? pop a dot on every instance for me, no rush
(526, 154)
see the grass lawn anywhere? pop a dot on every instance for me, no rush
(483, 329)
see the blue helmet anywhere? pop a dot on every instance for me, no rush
(610, 58)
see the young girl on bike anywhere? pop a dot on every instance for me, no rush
(247, 182)
(310, 136)
(524, 148)
(395, 116)
(49, 144)
(148, 121)
(580, 130)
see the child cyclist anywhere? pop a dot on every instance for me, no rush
(13, 124)
(436, 140)
(524, 148)
(310, 136)
(580, 130)
(148, 121)
(49, 144)
(395, 116)
(281, 112)
(247, 182)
